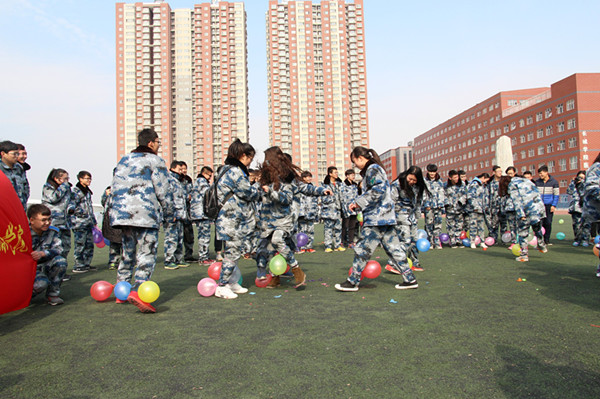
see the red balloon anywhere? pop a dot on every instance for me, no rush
(214, 270)
(372, 269)
(350, 273)
(101, 290)
(463, 235)
(264, 282)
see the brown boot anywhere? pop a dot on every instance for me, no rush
(274, 283)
(299, 275)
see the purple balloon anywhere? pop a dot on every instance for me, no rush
(445, 238)
(301, 239)
(97, 235)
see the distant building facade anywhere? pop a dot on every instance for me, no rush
(397, 160)
(557, 126)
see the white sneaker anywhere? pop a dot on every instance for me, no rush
(223, 291)
(473, 246)
(484, 246)
(237, 289)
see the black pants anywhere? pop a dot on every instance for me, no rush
(188, 240)
(348, 230)
(218, 243)
(547, 223)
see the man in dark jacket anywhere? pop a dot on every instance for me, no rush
(549, 191)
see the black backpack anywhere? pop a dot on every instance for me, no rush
(211, 198)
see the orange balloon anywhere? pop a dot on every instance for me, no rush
(596, 251)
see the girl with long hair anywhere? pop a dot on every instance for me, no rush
(456, 199)
(377, 207)
(581, 227)
(433, 206)
(476, 194)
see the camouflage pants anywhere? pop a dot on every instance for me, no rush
(496, 221)
(511, 225)
(188, 240)
(203, 239)
(523, 232)
(407, 234)
(65, 238)
(48, 276)
(307, 227)
(476, 225)
(139, 248)
(232, 251)
(433, 225)
(454, 225)
(279, 241)
(252, 242)
(581, 227)
(371, 237)
(332, 232)
(114, 252)
(84, 248)
(173, 241)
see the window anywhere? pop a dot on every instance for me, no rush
(570, 105)
(561, 145)
(572, 142)
(549, 130)
(522, 138)
(549, 148)
(573, 163)
(530, 136)
(540, 133)
(559, 109)
(560, 127)
(571, 124)
(529, 120)
(548, 112)
(521, 122)
(551, 167)
(538, 117)
(513, 141)
(562, 165)
(562, 183)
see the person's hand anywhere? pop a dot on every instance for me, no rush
(265, 189)
(328, 192)
(353, 206)
(37, 255)
(552, 209)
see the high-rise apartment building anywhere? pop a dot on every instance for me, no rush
(317, 81)
(556, 126)
(183, 73)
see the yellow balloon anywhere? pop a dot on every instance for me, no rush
(516, 250)
(468, 235)
(409, 262)
(148, 291)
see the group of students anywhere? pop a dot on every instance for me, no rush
(261, 212)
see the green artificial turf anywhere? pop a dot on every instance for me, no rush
(471, 330)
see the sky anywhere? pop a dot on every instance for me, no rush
(426, 62)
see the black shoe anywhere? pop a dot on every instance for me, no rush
(80, 270)
(191, 259)
(407, 286)
(66, 277)
(92, 268)
(346, 286)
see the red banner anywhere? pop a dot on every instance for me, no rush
(17, 267)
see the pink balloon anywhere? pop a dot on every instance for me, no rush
(543, 231)
(490, 241)
(533, 242)
(207, 286)
(477, 240)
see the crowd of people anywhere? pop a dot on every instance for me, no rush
(259, 213)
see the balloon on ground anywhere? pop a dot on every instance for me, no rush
(278, 265)
(122, 290)
(101, 290)
(149, 291)
(207, 286)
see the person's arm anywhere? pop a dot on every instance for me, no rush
(374, 191)
(555, 195)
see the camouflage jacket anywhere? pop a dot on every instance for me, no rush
(406, 207)
(276, 210)
(18, 178)
(237, 218)
(83, 217)
(376, 201)
(476, 193)
(456, 199)
(349, 194)
(140, 190)
(59, 201)
(331, 206)
(309, 205)
(436, 197)
(577, 192)
(49, 242)
(302, 190)
(526, 199)
(199, 189)
(507, 204)
(591, 199)
(492, 203)
(177, 195)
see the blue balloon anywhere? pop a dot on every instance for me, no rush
(106, 242)
(122, 290)
(560, 235)
(423, 245)
(597, 240)
(421, 234)
(466, 242)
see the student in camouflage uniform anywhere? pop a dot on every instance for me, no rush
(476, 193)
(140, 190)
(508, 210)
(379, 220)
(492, 206)
(591, 198)
(331, 211)
(408, 193)
(56, 195)
(455, 201)
(529, 208)
(9, 153)
(114, 236)
(173, 226)
(188, 226)
(236, 219)
(46, 251)
(309, 213)
(350, 192)
(581, 227)
(462, 175)
(433, 206)
(197, 215)
(83, 220)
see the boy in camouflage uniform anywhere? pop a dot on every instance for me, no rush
(433, 206)
(350, 192)
(591, 198)
(173, 226)
(197, 215)
(140, 190)
(114, 236)
(309, 213)
(530, 211)
(82, 221)
(46, 251)
(9, 153)
(581, 226)
(476, 194)
(493, 206)
(331, 212)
